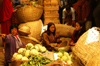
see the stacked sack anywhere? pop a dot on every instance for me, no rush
(51, 14)
(30, 24)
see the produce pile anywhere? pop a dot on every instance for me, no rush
(32, 55)
(37, 60)
(64, 56)
(24, 53)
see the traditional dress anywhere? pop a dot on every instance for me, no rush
(48, 39)
(12, 43)
(6, 11)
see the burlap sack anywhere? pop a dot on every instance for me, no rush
(86, 51)
(64, 30)
(35, 28)
(28, 40)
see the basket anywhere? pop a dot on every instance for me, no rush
(29, 13)
(85, 51)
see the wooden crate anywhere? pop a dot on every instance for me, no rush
(52, 11)
(46, 21)
(54, 2)
(51, 15)
(24, 2)
(56, 7)
(48, 2)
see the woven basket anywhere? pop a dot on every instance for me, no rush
(86, 52)
(29, 13)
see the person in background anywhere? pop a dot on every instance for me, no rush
(86, 14)
(96, 14)
(6, 11)
(80, 29)
(69, 15)
(50, 37)
(77, 6)
(12, 43)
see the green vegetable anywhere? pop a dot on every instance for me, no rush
(37, 60)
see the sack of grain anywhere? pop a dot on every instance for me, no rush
(29, 13)
(64, 30)
(88, 46)
(35, 28)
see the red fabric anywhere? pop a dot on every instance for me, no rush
(6, 10)
(77, 6)
(14, 18)
(85, 10)
(5, 26)
(69, 19)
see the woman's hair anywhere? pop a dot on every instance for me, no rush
(81, 23)
(48, 28)
(13, 26)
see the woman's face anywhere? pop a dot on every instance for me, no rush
(14, 31)
(78, 27)
(52, 28)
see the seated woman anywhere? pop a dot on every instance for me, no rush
(80, 29)
(12, 43)
(50, 37)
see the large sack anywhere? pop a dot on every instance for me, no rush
(88, 46)
(27, 40)
(64, 30)
(35, 28)
(29, 13)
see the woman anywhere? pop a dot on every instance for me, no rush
(50, 37)
(12, 43)
(80, 29)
